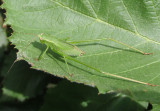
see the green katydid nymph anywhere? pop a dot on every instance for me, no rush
(60, 46)
(67, 50)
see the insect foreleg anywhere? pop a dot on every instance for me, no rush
(40, 57)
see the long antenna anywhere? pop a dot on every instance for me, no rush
(20, 54)
(12, 65)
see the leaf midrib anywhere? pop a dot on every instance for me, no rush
(104, 22)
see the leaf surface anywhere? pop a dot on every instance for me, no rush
(133, 22)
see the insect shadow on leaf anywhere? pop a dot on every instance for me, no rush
(109, 46)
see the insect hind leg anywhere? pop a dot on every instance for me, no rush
(118, 42)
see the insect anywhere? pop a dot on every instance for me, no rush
(67, 50)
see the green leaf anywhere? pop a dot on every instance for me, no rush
(133, 22)
(84, 98)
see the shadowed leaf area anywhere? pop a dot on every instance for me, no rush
(10, 104)
(70, 96)
(22, 87)
(20, 81)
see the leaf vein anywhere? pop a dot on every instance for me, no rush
(104, 22)
(136, 31)
(92, 8)
(154, 8)
(151, 63)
